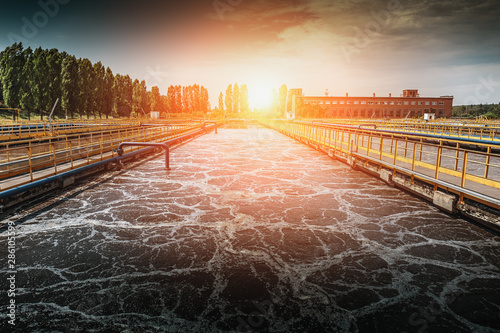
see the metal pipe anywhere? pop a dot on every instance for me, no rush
(147, 144)
(210, 122)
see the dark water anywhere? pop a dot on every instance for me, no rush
(250, 231)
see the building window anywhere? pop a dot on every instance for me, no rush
(427, 103)
(440, 112)
(434, 103)
(356, 102)
(363, 102)
(441, 103)
(407, 103)
(400, 103)
(392, 103)
(414, 103)
(342, 102)
(420, 103)
(334, 102)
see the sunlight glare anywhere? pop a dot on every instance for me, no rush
(259, 96)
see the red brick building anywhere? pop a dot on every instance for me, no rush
(408, 105)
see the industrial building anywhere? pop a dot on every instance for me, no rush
(408, 105)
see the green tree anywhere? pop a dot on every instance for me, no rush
(69, 86)
(156, 100)
(137, 96)
(221, 101)
(229, 99)
(171, 99)
(54, 61)
(236, 98)
(27, 100)
(85, 81)
(12, 64)
(204, 100)
(41, 93)
(124, 95)
(2, 70)
(178, 99)
(244, 107)
(187, 100)
(108, 93)
(98, 81)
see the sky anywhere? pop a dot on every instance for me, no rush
(360, 47)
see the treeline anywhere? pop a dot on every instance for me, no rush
(235, 102)
(33, 80)
(490, 111)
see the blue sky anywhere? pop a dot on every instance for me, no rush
(355, 46)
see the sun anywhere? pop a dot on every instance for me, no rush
(259, 96)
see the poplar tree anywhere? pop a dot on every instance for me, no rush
(236, 98)
(229, 99)
(41, 93)
(108, 93)
(156, 101)
(2, 53)
(53, 74)
(98, 77)
(13, 64)
(27, 102)
(221, 101)
(204, 100)
(187, 101)
(283, 92)
(178, 99)
(85, 71)
(69, 86)
(171, 99)
(244, 107)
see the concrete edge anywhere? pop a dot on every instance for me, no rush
(447, 202)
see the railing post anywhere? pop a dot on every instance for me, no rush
(457, 154)
(54, 157)
(87, 148)
(381, 147)
(30, 162)
(464, 169)
(414, 156)
(438, 161)
(396, 152)
(71, 153)
(487, 167)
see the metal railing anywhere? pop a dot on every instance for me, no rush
(25, 130)
(451, 128)
(27, 161)
(445, 163)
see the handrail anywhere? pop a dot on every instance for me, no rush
(147, 144)
(210, 122)
(473, 173)
(414, 134)
(368, 125)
